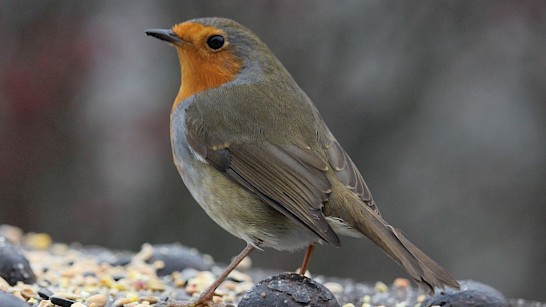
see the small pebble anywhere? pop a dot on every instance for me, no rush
(401, 283)
(97, 300)
(121, 301)
(245, 265)
(11, 233)
(45, 303)
(217, 299)
(149, 299)
(28, 293)
(335, 287)
(156, 285)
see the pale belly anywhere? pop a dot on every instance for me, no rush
(240, 212)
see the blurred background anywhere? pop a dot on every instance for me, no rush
(441, 104)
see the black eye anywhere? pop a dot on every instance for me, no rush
(215, 42)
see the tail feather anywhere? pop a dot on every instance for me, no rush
(426, 272)
(433, 274)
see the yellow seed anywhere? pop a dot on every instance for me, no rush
(381, 287)
(119, 286)
(132, 296)
(107, 281)
(39, 241)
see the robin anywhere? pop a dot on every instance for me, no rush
(256, 155)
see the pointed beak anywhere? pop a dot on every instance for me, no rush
(165, 35)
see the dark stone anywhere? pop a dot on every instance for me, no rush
(288, 289)
(472, 293)
(14, 266)
(45, 293)
(177, 258)
(8, 300)
(61, 301)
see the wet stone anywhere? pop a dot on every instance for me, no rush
(472, 293)
(175, 257)
(14, 266)
(8, 300)
(288, 289)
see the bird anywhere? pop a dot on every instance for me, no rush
(256, 155)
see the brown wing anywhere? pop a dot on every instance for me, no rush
(290, 178)
(348, 174)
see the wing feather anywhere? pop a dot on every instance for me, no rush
(348, 174)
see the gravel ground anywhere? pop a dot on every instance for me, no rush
(58, 274)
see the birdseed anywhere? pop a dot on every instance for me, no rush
(76, 276)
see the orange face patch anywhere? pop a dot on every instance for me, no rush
(202, 67)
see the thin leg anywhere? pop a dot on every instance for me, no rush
(206, 297)
(306, 258)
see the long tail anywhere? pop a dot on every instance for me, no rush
(426, 272)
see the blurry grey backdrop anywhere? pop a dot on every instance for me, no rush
(441, 104)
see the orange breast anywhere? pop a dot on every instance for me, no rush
(201, 68)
